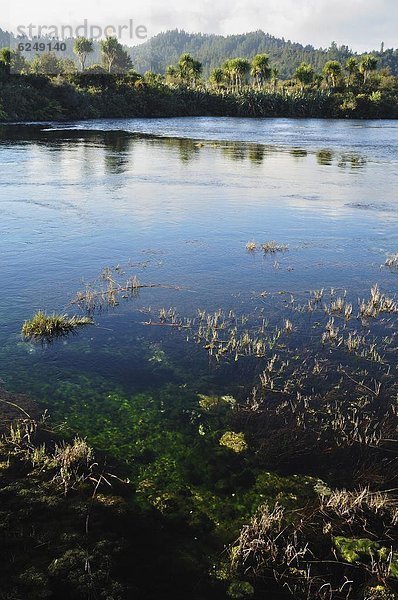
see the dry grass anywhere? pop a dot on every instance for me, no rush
(347, 504)
(72, 462)
(68, 464)
(109, 288)
(257, 540)
(251, 246)
(392, 261)
(295, 545)
(377, 304)
(331, 333)
(271, 247)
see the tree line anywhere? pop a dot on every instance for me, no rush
(48, 87)
(234, 75)
(238, 74)
(114, 59)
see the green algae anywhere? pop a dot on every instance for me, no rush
(351, 549)
(234, 441)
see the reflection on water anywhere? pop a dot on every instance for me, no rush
(179, 211)
(324, 157)
(118, 147)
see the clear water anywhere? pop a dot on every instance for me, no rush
(79, 197)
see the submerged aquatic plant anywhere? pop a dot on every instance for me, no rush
(111, 286)
(251, 246)
(271, 247)
(213, 403)
(392, 261)
(43, 326)
(281, 542)
(234, 441)
(377, 304)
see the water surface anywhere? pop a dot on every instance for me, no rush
(175, 201)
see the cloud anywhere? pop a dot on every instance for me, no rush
(362, 24)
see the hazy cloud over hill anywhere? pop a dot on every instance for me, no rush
(363, 24)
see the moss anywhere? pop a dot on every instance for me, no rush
(240, 589)
(379, 592)
(352, 549)
(234, 441)
(211, 403)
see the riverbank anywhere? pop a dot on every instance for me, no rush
(37, 98)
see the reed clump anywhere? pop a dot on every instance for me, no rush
(44, 326)
(344, 530)
(251, 246)
(377, 304)
(392, 261)
(109, 288)
(271, 247)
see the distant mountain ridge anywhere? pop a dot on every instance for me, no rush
(212, 50)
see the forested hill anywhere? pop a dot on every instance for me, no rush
(212, 50)
(4, 39)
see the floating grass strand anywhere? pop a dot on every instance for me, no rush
(46, 327)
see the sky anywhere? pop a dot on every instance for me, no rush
(361, 24)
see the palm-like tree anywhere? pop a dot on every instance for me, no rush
(275, 78)
(196, 71)
(240, 70)
(172, 74)
(367, 65)
(305, 75)
(260, 69)
(190, 69)
(351, 66)
(5, 56)
(332, 71)
(228, 71)
(82, 48)
(217, 77)
(110, 48)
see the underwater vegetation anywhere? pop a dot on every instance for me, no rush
(392, 261)
(334, 545)
(71, 528)
(54, 502)
(323, 403)
(251, 246)
(234, 441)
(279, 478)
(270, 247)
(47, 327)
(112, 286)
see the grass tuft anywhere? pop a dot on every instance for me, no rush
(392, 261)
(43, 326)
(271, 247)
(251, 246)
